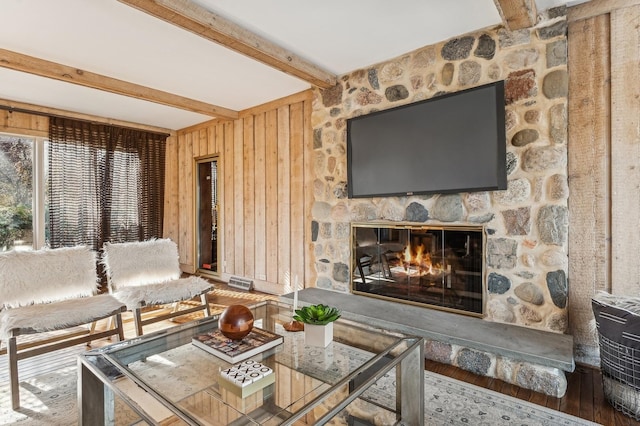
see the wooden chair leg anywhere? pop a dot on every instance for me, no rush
(137, 320)
(92, 329)
(118, 326)
(175, 307)
(111, 325)
(12, 349)
(207, 311)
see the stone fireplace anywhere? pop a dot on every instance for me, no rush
(525, 226)
(440, 267)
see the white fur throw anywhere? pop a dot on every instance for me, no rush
(163, 293)
(47, 275)
(57, 315)
(140, 263)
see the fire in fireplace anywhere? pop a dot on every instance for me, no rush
(434, 266)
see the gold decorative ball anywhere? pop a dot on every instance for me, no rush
(235, 322)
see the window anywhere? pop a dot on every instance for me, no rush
(87, 184)
(22, 192)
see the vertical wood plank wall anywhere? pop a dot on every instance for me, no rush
(604, 154)
(171, 190)
(264, 197)
(625, 150)
(589, 158)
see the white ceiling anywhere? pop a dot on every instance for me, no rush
(112, 39)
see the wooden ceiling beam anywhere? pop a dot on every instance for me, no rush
(517, 14)
(29, 64)
(200, 21)
(11, 106)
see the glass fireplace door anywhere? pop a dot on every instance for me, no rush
(436, 266)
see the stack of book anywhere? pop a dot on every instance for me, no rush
(233, 351)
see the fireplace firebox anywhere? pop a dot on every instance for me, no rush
(436, 266)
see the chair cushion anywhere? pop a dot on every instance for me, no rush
(57, 315)
(162, 293)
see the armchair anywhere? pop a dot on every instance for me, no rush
(147, 273)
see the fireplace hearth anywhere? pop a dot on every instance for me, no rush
(435, 266)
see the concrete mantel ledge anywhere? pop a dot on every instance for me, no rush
(513, 342)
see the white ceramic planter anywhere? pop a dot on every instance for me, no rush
(318, 335)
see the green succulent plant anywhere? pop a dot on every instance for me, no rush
(317, 314)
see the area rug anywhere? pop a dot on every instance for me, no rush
(452, 402)
(50, 399)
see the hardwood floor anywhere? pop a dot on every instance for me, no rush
(584, 397)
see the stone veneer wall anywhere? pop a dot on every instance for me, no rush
(526, 224)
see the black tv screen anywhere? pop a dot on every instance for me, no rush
(452, 143)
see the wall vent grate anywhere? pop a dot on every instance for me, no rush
(241, 283)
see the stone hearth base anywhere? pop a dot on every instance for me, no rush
(529, 358)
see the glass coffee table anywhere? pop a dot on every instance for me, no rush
(363, 377)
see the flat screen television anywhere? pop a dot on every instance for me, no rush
(451, 143)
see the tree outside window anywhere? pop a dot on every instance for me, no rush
(16, 192)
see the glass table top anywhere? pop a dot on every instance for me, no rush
(162, 378)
